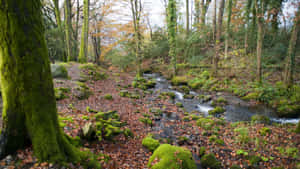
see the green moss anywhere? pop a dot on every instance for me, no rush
(205, 123)
(235, 167)
(179, 104)
(171, 157)
(128, 133)
(124, 93)
(217, 110)
(108, 97)
(107, 115)
(88, 109)
(170, 94)
(60, 93)
(156, 112)
(146, 121)
(243, 135)
(242, 152)
(186, 118)
(260, 119)
(221, 100)
(185, 89)
(82, 91)
(59, 71)
(264, 131)
(150, 143)
(254, 160)
(298, 128)
(210, 161)
(195, 83)
(188, 96)
(202, 151)
(179, 80)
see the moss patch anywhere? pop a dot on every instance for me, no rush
(171, 157)
(150, 143)
(210, 161)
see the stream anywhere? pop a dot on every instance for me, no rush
(236, 110)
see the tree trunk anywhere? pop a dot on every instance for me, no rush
(247, 26)
(197, 14)
(228, 31)
(298, 128)
(214, 20)
(84, 33)
(172, 24)
(76, 31)
(57, 14)
(187, 18)
(260, 37)
(204, 7)
(290, 60)
(68, 30)
(29, 106)
(218, 37)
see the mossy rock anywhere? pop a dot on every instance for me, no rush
(217, 110)
(167, 156)
(195, 83)
(150, 143)
(170, 94)
(260, 119)
(61, 93)
(59, 71)
(179, 80)
(221, 100)
(146, 121)
(205, 123)
(179, 104)
(264, 131)
(82, 91)
(210, 161)
(185, 89)
(108, 97)
(188, 96)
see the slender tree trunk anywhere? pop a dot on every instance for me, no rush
(260, 38)
(218, 37)
(29, 106)
(68, 30)
(172, 24)
(57, 14)
(76, 32)
(84, 33)
(215, 20)
(228, 31)
(187, 18)
(298, 128)
(290, 60)
(197, 14)
(247, 26)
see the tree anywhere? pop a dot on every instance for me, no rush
(68, 30)
(218, 37)
(187, 18)
(84, 33)
(214, 20)
(260, 11)
(247, 25)
(172, 24)
(204, 7)
(136, 9)
(290, 60)
(228, 31)
(197, 14)
(57, 14)
(29, 106)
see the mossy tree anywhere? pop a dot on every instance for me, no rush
(29, 106)
(247, 25)
(57, 14)
(68, 30)
(204, 8)
(187, 17)
(290, 60)
(84, 33)
(172, 32)
(197, 14)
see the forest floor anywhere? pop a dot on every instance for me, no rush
(279, 147)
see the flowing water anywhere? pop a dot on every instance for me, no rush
(236, 110)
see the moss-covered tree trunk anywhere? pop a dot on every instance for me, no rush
(204, 8)
(218, 38)
(298, 128)
(68, 30)
(290, 60)
(29, 106)
(172, 24)
(84, 33)
(247, 25)
(197, 14)
(57, 13)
